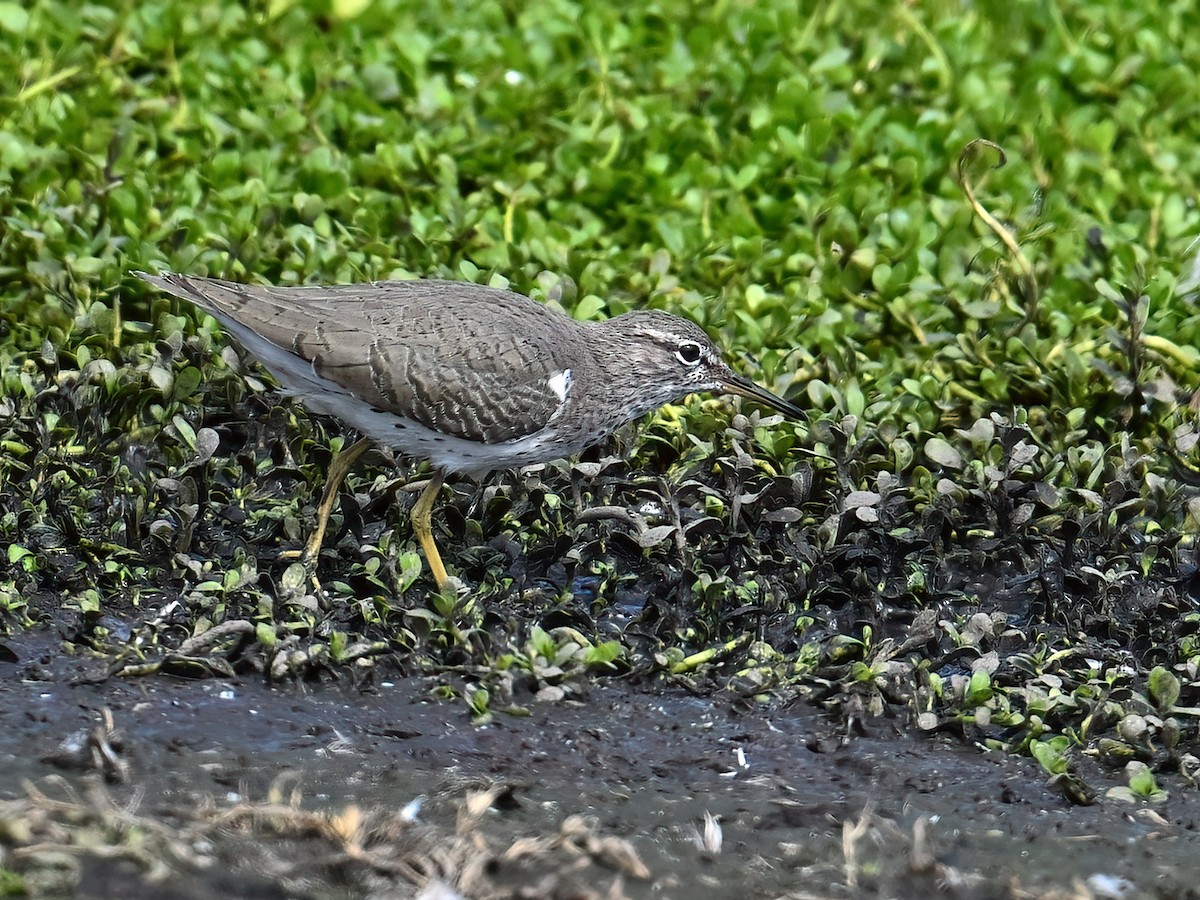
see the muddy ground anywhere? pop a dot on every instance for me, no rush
(239, 788)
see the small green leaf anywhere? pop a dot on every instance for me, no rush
(338, 642)
(1051, 754)
(1143, 783)
(16, 552)
(186, 433)
(1164, 688)
(186, 382)
(939, 451)
(349, 9)
(979, 688)
(13, 17)
(604, 653)
(479, 700)
(294, 576)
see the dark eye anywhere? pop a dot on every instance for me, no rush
(689, 353)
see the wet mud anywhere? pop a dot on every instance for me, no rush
(631, 790)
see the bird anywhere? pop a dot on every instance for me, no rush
(469, 377)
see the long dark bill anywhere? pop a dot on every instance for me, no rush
(744, 387)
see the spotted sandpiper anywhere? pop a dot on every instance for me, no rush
(471, 378)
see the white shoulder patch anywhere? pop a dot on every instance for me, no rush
(561, 384)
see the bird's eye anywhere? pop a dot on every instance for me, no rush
(689, 353)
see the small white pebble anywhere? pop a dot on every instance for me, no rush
(411, 810)
(1109, 885)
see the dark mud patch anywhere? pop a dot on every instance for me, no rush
(237, 788)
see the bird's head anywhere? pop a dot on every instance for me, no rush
(666, 357)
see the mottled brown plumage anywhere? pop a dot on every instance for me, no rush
(472, 378)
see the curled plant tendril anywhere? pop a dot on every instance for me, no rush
(1014, 249)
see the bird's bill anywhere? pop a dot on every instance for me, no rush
(744, 387)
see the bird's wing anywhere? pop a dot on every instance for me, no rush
(462, 359)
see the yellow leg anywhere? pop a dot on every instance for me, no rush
(424, 531)
(341, 464)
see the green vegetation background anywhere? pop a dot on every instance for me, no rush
(798, 182)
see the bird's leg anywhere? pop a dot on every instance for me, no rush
(341, 464)
(424, 531)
